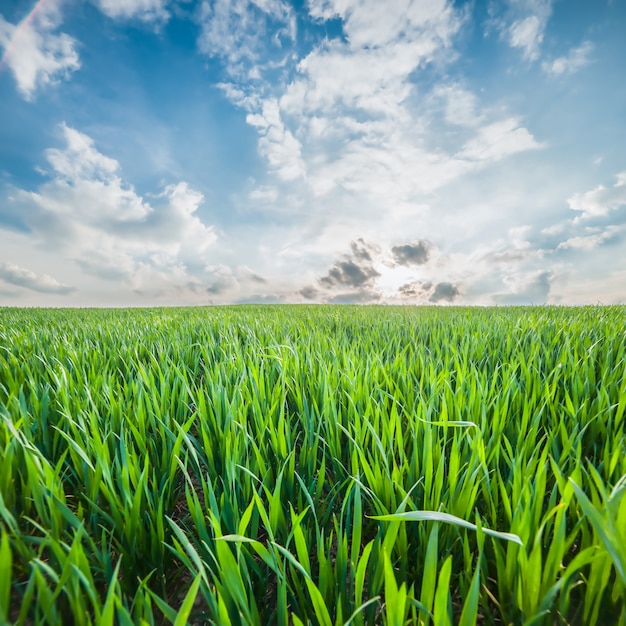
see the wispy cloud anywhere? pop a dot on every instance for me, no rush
(145, 10)
(498, 140)
(574, 60)
(522, 24)
(248, 34)
(593, 240)
(527, 34)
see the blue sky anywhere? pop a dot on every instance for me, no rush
(157, 152)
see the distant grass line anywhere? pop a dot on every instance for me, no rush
(313, 465)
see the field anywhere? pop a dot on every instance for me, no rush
(313, 465)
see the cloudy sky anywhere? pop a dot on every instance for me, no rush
(403, 151)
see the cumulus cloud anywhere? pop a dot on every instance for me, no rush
(35, 52)
(574, 60)
(20, 277)
(411, 253)
(88, 214)
(344, 128)
(601, 200)
(145, 10)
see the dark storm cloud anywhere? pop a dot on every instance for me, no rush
(349, 274)
(416, 289)
(416, 253)
(444, 291)
(355, 270)
(361, 249)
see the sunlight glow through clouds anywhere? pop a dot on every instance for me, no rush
(414, 152)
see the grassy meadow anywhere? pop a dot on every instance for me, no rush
(313, 465)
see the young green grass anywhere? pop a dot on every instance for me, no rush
(313, 465)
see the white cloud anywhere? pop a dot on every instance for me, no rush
(461, 106)
(86, 213)
(368, 23)
(591, 241)
(354, 143)
(35, 53)
(265, 193)
(276, 143)
(355, 110)
(498, 140)
(576, 59)
(523, 25)
(554, 229)
(601, 200)
(20, 277)
(527, 34)
(145, 10)
(357, 145)
(373, 80)
(221, 281)
(238, 30)
(526, 288)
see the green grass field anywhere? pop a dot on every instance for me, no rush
(313, 465)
